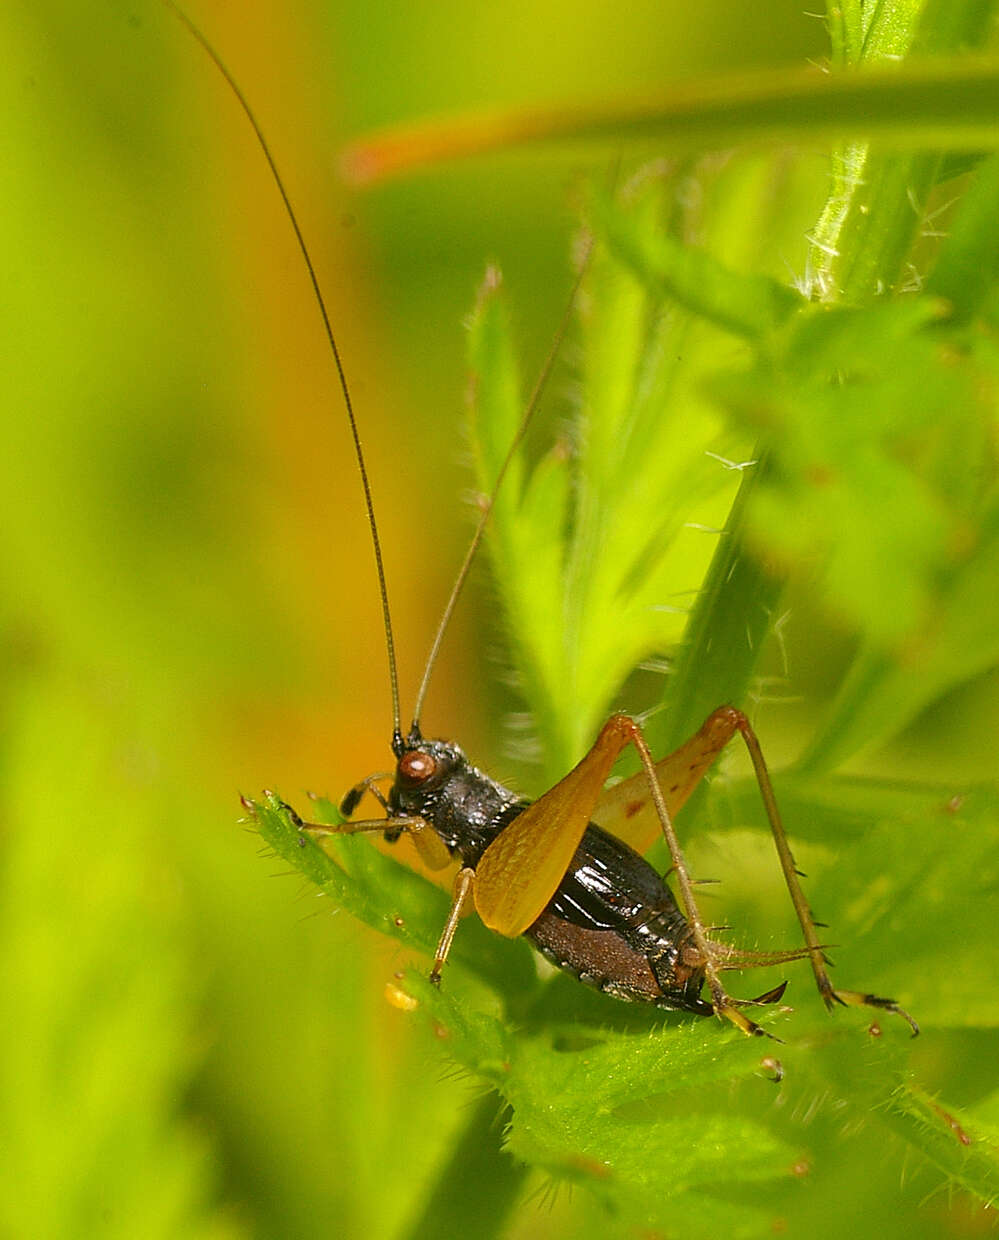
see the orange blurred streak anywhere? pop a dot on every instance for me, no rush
(403, 148)
(943, 100)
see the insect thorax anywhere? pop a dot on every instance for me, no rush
(466, 808)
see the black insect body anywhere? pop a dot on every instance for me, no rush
(587, 900)
(613, 923)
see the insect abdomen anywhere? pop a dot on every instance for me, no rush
(613, 923)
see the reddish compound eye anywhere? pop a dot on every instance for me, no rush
(416, 767)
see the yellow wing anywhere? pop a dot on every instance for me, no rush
(626, 810)
(521, 869)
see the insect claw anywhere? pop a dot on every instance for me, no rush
(831, 997)
(296, 821)
(350, 801)
(729, 1009)
(858, 999)
(772, 996)
(759, 1032)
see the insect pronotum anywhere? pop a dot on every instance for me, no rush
(546, 869)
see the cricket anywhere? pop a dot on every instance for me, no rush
(559, 869)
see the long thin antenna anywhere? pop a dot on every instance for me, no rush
(341, 373)
(487, 508)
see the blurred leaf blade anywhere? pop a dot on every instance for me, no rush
(601, 533)
(965, 274)
(100, 1040)
(526, 554)
(943, 103)
(872, 1085)
(749, 305)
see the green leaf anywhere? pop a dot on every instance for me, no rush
(386, 894)
(749, 305)
(888, 862)
(615, 1114)
(873, 1089)
(966, 271)
(101, 991)
(882, 472)
(612, 1109)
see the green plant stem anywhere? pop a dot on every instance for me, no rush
(877, 203)
(478, 1186)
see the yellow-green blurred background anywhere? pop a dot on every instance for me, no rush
(192, 1045)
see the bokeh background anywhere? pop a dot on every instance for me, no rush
(188, 611)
